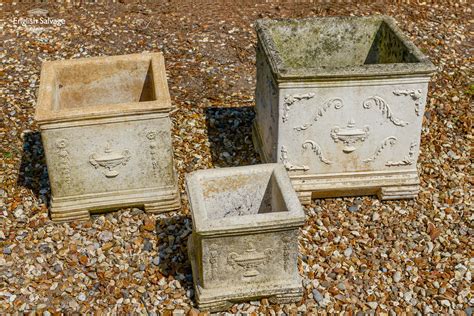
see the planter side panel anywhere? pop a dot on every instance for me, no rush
(351, 126)
(254, 262)
(109, 157)
(266, 107)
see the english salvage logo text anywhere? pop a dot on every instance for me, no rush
(43, 21)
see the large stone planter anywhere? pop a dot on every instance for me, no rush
(340, 102)
(106, 133)
(244, 243)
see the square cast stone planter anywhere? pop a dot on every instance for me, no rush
(106, 133)
(244, 244)
(340, 102)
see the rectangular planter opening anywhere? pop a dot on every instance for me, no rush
(242, 195)
(87, 84)
(339, 46)
(347, 43)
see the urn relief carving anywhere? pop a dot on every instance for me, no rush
(109, 160)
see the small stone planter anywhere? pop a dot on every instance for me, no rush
(244, 243)
(340, 102)
(106, 133)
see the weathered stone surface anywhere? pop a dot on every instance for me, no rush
(107, 134)
(340, 103)
(244, 241)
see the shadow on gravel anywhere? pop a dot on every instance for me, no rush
(230, 136)
(173, 233)
(33, 173)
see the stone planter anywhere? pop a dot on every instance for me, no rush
(106, 133)
(244, 243)
(340, 102)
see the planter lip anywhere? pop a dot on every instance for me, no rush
(46, 114)
(368, 71)
(272, 221)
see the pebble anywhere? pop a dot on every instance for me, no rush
(106, 236)
(375, 216)
(318, 297)
(7, 250)
(373, 305)
(156, 260)
(81, 297)
(348, 252)
(353, 208)
(397, 276)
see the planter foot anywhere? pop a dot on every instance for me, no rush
(59, 216)
(398, 192)
(286, 298)
(170, 204)
(386, 185)
(304, 197)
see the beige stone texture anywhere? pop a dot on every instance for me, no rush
(106, 133)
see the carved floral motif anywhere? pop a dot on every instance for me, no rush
(289, 166)
(64, 159)
(407, 160)
(391, 140)
(213, 255)
(415, 94)
(317, 150)
(334, 102)
(289, 100)
(153, 137)
(385, 108)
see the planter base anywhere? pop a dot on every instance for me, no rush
(80, 207)
(215, 300)
(387, 185)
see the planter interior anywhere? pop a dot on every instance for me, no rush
(242, 195)
(89, 84)
(340, 46)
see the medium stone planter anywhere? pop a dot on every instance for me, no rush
(244, 243)
(106, 133)
(340, 102)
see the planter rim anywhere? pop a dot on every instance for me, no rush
(368, 71)
(272, 221)
(46, 114)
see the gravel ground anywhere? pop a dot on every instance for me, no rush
(357, 254)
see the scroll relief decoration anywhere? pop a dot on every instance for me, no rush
(290, 100)
(385, 108)
(407, 160)
(109, 160)
(154, 137)
(317, 150)
(288, 165)
(391, 140)
(213, 256)
(349, 135)
(334, 102)
(64, 159)
(288, 243)
(415, 95)
(306, 144)
(250, 260)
